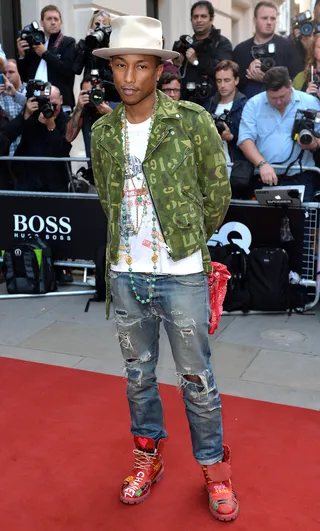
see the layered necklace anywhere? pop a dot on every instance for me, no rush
(141, 199)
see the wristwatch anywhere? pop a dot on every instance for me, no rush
(261, 163)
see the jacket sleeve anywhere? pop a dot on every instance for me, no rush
(81, 57)
(15, 127)
(99, 165)
(212, 173)
(64, 64)
(214, 55)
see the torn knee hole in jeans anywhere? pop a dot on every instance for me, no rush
(133, 369)
(199, 384)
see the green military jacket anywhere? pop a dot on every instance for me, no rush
(185, 169)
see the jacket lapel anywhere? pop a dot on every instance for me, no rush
(111, 137)
(167, 110)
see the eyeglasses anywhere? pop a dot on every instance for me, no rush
(100, 12)
(168, 90)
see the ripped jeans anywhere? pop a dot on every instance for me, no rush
(182, 303)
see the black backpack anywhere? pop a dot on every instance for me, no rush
(235, 259)
(28, 267)
(268, 279)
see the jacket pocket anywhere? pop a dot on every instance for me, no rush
(181, 161)
(198, 200)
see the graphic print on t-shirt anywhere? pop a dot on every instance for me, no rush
(137, 197)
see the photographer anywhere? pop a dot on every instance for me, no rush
(309, 79)
(270, 133)
(202, 53)
(12, 95)
(263, 51)
(6, 179)
(98, 35)
(42, 127)
(48, 55)
(90, 106)
(170, 84)
(226, 109)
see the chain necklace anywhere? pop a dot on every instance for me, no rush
(141, 195)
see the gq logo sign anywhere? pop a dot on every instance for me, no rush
(233, 232)
(53, 228)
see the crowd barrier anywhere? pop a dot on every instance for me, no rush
(74, 226)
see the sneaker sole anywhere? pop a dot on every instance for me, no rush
(145, 496)
(226, 517)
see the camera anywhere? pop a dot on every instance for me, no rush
(200, 91)
(32, 34)
(183, 44)
(304, 23)
(219, 121)
(99, 38)
(306, 126)
(265, 53)
(41, 91)
(315, 76)
(96, 94)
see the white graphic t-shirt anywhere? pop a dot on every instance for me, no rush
(220, 110)
(140, 214)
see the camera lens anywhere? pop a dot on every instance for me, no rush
(305, 137)
(96, 96)
(306, 29)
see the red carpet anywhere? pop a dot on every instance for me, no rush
(65, 448)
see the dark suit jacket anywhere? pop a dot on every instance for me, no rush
(60, 62)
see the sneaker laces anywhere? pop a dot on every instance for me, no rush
(143, 460)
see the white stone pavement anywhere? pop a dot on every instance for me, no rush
(267, 357)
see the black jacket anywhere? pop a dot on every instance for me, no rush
(284, 56)
(60, 62)
(37, 141)
(85, 61)
(235, 116)
(6, 179)
(210, 52)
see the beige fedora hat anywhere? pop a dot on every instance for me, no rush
(135, 35)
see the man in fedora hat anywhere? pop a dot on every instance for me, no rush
(161, 175)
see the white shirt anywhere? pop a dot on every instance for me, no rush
(42, 70)
(221, 107)
(141, 244)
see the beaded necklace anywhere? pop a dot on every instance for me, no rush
(141, 198)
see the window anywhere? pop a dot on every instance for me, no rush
(152, 8)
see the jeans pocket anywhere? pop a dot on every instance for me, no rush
(194, 280)
(114, 274)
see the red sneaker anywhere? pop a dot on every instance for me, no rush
(223, 503)
(147, 469)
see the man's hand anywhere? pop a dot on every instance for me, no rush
(83, 99)
(48, 122)
(23, 46)
(313, 89)
(103, 108)
(296, 33)
(39, 49)
(226, 134)
(254, 71)
(8, 88)
(31, 106)
(268, 175)
(191, 55)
